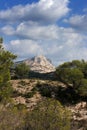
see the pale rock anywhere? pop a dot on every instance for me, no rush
(19, 100)
(40, 64)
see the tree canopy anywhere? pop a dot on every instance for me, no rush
(22, 70)
(74, 73)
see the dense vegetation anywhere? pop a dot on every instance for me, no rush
(6, 60)
(22, 71)
(74, 74)
(48, 115)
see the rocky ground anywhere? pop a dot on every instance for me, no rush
(25, 87)
(25, 93)
(79, 116)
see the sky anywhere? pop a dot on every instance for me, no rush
(56, 29)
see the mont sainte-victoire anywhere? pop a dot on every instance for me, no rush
(39, 64)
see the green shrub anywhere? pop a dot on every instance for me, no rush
(45, 92)
(34, 89)
(22, 71)
(49, 114)
(29, 94)
(22, 82)
(12, 118)
(21, 106)
(82, 89)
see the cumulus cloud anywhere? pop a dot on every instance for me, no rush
(78, 22)
(43, 11)
(35, 31)
(65, 45)
(24, 48)
(71, 45)
(34, 28)
(8, 30)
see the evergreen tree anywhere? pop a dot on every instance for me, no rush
(82, 89)
(71, 72)
(6, 60)
(22, 70)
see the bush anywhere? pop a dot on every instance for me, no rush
(49, 115)
(12, 118)
(45, 92)
(29, 94)
(82, 89)
(20, 106)
(22, 71)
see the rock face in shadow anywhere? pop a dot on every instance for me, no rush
(40, 64)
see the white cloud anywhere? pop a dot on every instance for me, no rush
(43, 11)
(8, 30)
(78, 22)
(35, 31)
(24, 48)
(58, 43)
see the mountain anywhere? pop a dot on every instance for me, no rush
(39, 64)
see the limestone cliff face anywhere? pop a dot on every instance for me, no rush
(40, 64)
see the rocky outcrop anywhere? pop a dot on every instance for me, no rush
(23, 87)
(79, 111)
(26, 86)
(79, 116)
(40, 64)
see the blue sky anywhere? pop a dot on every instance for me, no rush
(54, 28)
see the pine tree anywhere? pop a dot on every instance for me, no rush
(6, 60)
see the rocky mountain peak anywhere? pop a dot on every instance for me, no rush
(40, 64)
(39, 59)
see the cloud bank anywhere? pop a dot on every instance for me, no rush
(44, 11)
(58, 43)
(34, 29)
(78, 22)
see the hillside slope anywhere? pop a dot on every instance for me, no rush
(29, 92)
